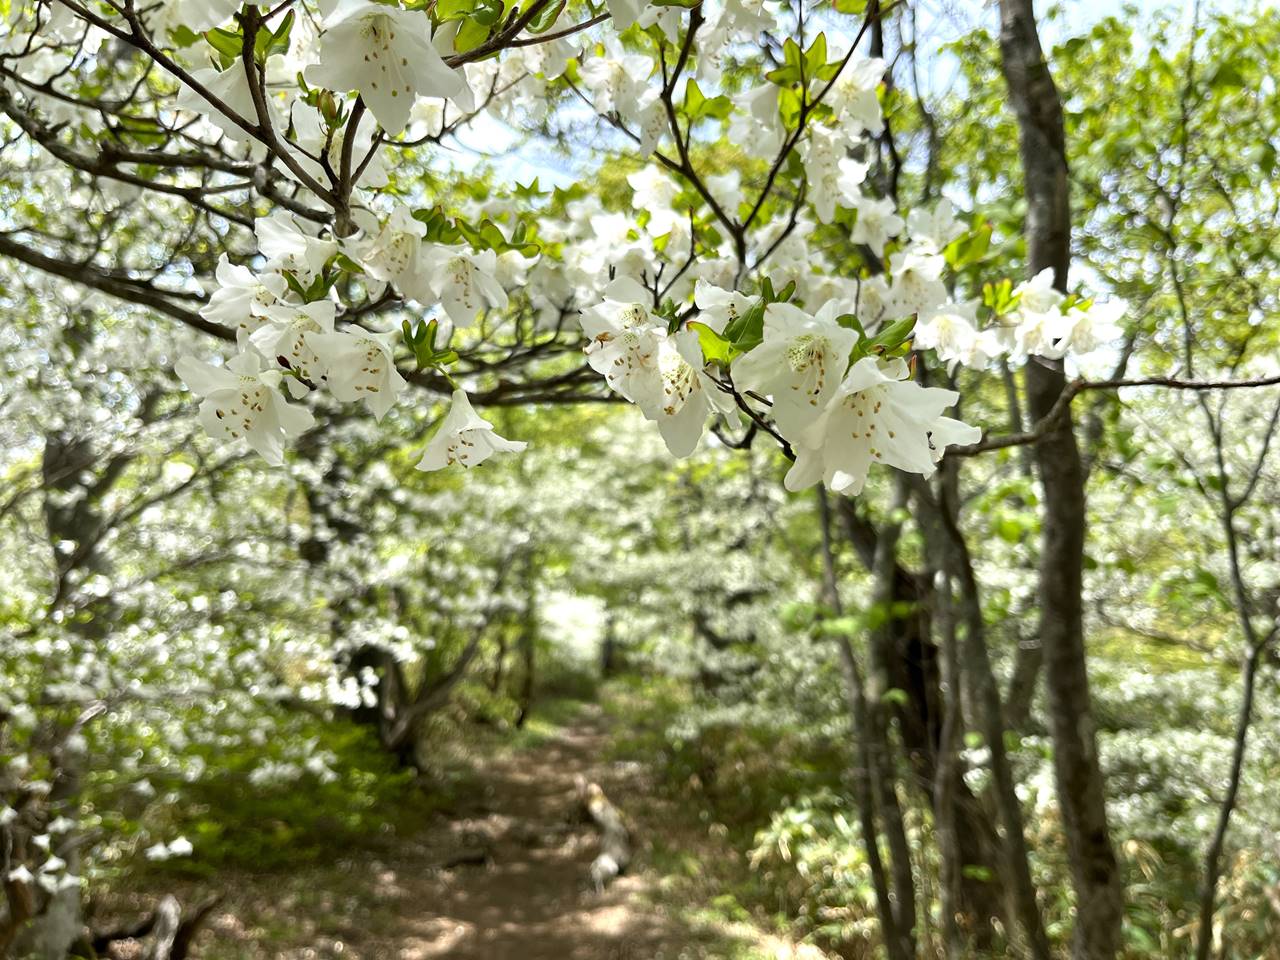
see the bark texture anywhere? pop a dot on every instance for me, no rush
(1081, 789)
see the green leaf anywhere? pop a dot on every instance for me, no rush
(715, 348)
(850, 322)
(897, 696)
(747, 331)
(968, 248)
(225, 42)
(471, 34)
(1000, 297)
(1227, 77)
(183, 36)
(547, 17)
(894, 335)
(792, 70)
(815, 58)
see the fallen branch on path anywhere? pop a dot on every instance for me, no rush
(615, 839)
(173, 934)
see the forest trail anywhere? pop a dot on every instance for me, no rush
(502, 875)
(531, 897)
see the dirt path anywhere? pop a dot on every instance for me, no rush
(531, 898)
(502, 876)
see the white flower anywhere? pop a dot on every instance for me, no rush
(463, 280)
(231, 88)
(623, 343)
(655, 192)
(1038, 294)
(285, 338)
(618, 81)
(242, 401)
(951, 330)
(53, 864)
(877, 222)
(20, 874)
(242, 297)
(288, 247)
(464, 438)
(800, 363)
(625, 12)
(853, 96)
(1040, 332)
(158, 852)
(878, 415)
(688, 394)
(727, 189)
(181, 847)
(917, 284)
(717, 307)
(395, 255)
(933, 229)
(311, 140)
(360, 366)
(746, 17)
(756, 125)
(832, 177)
(196, 15)
(1093, 327)
(385, 53)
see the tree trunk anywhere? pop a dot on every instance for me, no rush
(528, 640)
(912, 664)
(1081, 789)
(860, 729)
(991, 720)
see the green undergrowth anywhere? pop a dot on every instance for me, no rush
(713, 793)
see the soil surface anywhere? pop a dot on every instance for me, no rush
(504, 876)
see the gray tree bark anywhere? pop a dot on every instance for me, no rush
(1081, 787)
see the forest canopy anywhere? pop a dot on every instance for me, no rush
(700, 478)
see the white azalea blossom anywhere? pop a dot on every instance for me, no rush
(242, 297)
(623, 342)
(284, 338)
(833, 178)
(386, 53)
(933, 228)
(800, 363)
(360, 366)
(464, 438)
(230, 88)
(877, 223)
(756, 125)
(688, 394)
(853, 96)
(1038, 295)
(618, 81)
(1093, 326)
(717, 307)
(917, 281)
(463, 280)
(878, 415)
(625, 12)
(395, 255)
(952, 331)
(243, 401)
(288, 246)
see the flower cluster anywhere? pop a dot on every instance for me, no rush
(333, 103)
